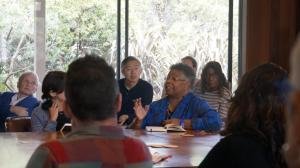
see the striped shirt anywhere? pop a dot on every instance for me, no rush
(104, 146)
(220, 101)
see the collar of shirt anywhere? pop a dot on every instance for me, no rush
(104, 131)
(15, 100)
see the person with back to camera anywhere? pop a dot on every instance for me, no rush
(214, 88)
(49, 115)
(96, 139)
(292, 146)
(20, 103)
(255, 129)
(132, 89)
(180, 107)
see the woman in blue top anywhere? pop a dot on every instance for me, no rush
(180, 106)
(49, 116)
(21, 103)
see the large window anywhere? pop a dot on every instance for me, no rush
(16, 40)
(160, 33)
(78, 26)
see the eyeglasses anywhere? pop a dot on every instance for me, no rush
(174, 79)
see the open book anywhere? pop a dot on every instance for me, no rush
(166, 128)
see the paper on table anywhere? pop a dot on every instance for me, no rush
(157, 157)
(155, 129)
(162, 145)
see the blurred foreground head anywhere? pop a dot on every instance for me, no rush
(91, 89)
(293, 134)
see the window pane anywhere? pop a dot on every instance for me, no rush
(16, 40)
(78, 26)
(162, 32)
(235, 49)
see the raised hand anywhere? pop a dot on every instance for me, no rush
(53, 111)
(140, 112)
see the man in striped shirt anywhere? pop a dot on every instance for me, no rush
(96, 140)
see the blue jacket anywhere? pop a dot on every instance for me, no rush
(29, 102)
(191, 107)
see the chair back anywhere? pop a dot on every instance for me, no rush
(18, 124)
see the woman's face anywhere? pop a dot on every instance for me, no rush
(61, 97)
(212, 80)
(176, 84)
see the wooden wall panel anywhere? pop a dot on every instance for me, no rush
(272, 26)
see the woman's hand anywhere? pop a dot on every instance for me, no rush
(173, 121)
(53, 111)
(140, 112)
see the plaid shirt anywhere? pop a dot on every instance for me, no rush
(92, 147)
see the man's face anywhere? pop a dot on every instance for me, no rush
(132, 71)
(28, 85)
(176, 84)
(293, 133)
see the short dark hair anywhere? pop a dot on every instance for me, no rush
(128, 59)
(192, 59)
(187, 71)
(258, 108)
(216, 66)
(91, 88)
(53, 81)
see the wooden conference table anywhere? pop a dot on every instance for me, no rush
(187, 151)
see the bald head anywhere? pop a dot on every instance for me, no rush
(295, 65)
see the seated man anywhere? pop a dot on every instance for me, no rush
(180, 106)
(132, 89)
(96, 140)
(20, 103)
(293, 134)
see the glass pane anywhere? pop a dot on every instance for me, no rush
(78, 26)
(16, 41)
(235, 49)
(162, 32)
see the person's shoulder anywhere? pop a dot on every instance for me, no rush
(136, 146)
(241, 142)
(145, 83)
(38, 109)
(133, 141)
(159, 102)
(33, 99)
(121, 82)
(226, 92)
(7, 94)
(195, 97)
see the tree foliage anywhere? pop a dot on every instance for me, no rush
(160, 33)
